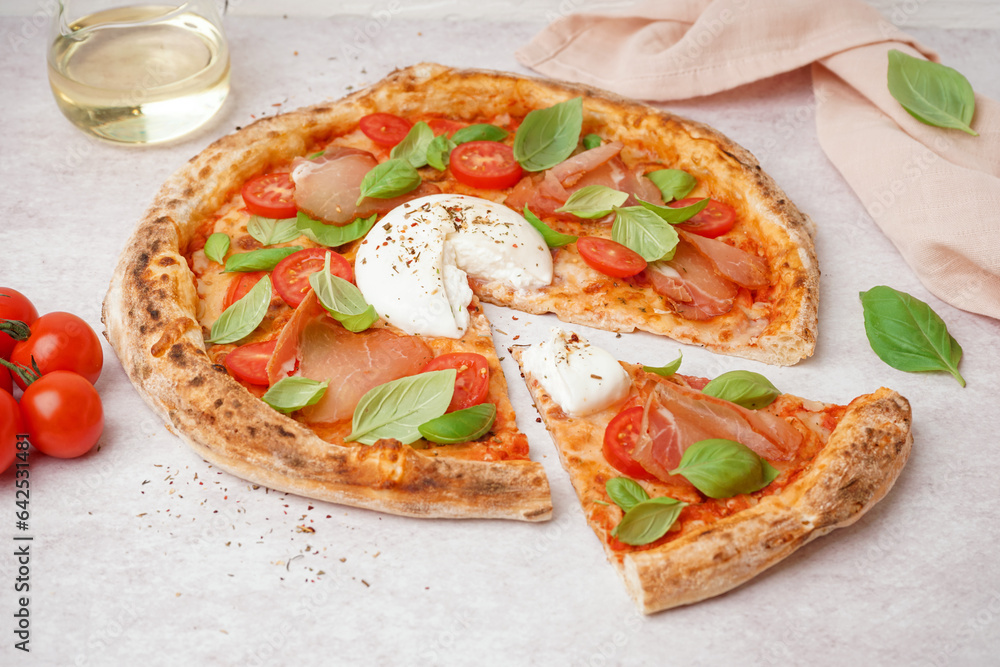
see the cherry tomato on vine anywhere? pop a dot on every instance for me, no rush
(62, 413)
(60, 341)
(14, 306)
(10, 425)
(6, 383)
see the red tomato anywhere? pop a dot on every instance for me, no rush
(61, 341)
(619, 440)
(384, 129)
(14, 306)
(714, 220)
(249, 362)
(271, 196)
(242, 284)
(291, 275)
(610, 257)
(10, 425)
(485, 164)
(444, 126)
(6, 383)
(63, 415)
(473, 381)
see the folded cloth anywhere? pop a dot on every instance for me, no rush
(934, 192)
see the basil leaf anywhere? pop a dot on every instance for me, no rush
(745, 388)
(294, 393)
(413, 147)
(389, 179)
(461, 425)
(676, 215)
(932, 93)
(216, 247)
(668, 370)
(342, 300)
(546, 137)
(240, 319)
(907, 334)
(673, 183)
(397, 409)
(479, 132)
(724, 468)
(333, 236)
(315, 155)
(553, 239)
(269, 231)
(593, 201)
(259, 260)
(438, 151)
(625, 492)
(591, 141)
(644, 232)
(648, 521)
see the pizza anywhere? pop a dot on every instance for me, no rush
(302, 301)
(695, 487)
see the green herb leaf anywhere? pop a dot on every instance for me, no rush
(240, 319)
(546, 137)
(294, 393)
(270, 231)
(259, 260)
(397, 409)
(216, 247)
(591, 141)
(668, 370)
(751, 390)
(438, 151)
(553, 239)
(342, 299)
(907, 334)
(724, 468)
(333, 236)
(479, 132)
(315, 155)
(648, 521)
(593, 201)
(644, 232)
(413, 147)
(933, 94)
(676, 215)
(389, 179)
(673, 183)
(460, 426)
(625, 492)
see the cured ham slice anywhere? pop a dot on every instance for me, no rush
(316, 346)
(732, 263)
(675, 417)
(692, 283)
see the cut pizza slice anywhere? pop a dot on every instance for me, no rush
(692, 494)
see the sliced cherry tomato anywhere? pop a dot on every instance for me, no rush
(10, 425)
(242, 284)
(473, 381)
(61, 341)
(384, 129)
(619, 440)
(714, 220)
(610, 257)
(485, 164)
(444, 126)
(14, 306)
(63, 415)
(249, 362)
(291, 275)
(271, 196)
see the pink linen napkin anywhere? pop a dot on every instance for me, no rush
(934, 192)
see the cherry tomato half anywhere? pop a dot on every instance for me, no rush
(384, 129)
(610, 257)
(714, 220)
(473, 381)
(249, 362)
(291, 275)
(619, 440)
(485, 164)
(242, 283)
(14, 306)
(63, 415)
(445, 126)
(61, 341)
(271, 196)
(10, 425)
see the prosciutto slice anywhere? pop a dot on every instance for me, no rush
(732, 263)
(676, 417)
(692, 284)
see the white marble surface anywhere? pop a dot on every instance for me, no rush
(145, 554)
